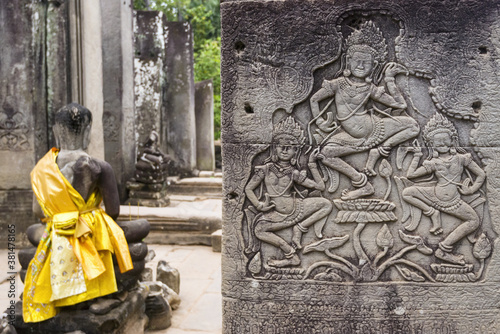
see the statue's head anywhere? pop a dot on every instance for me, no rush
(365, 49)
(440, 135)
(72, 126)
(288, 139)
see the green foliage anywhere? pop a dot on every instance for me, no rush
(207, 66)
(204, 17)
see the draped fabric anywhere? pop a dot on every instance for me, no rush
(73, 261)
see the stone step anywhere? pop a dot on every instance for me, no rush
(200, 186)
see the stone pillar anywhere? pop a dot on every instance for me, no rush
(118, 73)
(204, 112)
(86, 66)
(361, 154)
(149, 78)
(33, 83)
(178, 116)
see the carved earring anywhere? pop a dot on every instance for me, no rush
(453, 150)
(368, 79)
(293, 161)
(347, 72)
(435, 154)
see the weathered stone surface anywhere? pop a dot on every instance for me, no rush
(178, 114)
(204, 114)
(118, 74)
(33, 84)
(360, 180)
(34, 233)
(149, 43)
(158, 310)
(168, 275)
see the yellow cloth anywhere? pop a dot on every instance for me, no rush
(73, 261)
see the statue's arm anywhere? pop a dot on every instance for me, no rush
(319, 96)
(254, 182)
(317, 182)
(414, 170)
(480, 176)
(37, 209)
(109, 190)
(394, 99)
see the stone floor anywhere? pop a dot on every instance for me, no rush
(200, 311)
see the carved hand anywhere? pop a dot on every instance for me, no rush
(466, 188)
(327, 125)
(393, 69)
(265, 206)
(315, 155)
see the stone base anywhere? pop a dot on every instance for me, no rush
(128, 317)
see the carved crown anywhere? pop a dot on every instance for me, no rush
(290, 130)
(367, 38)
(438, 124)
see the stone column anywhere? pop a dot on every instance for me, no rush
(204, 112)
(178, 113)
(33, 83)
(118, 89)
(149, 78)
(86, 66)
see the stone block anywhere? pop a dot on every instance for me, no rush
(168, 275)
(217, 241)
(361, 146)
(135, 230)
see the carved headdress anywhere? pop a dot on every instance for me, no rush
(368, 38)
(439, 124)
(289, 130)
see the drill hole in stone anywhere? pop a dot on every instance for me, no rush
(483, 50)
(232, 196)
(248, 108)
(239, 46)
(476, 106)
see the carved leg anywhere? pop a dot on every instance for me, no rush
(263, 232)
(373, 156)
(315, 209)
(435, 217)
(470, 224)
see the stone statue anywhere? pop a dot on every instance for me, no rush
(358, 124)
(73, 260)
(447, 162)
(281, 205)
(148, 187)
(152, 164)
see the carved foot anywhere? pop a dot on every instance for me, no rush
(292, 261)
(365, 190)
(369, 171)
(436, 230)
(449, 257)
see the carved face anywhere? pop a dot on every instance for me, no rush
(442, 142)
(285, 150)
(361, 64)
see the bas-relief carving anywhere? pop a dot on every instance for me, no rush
(369, 187)
(13, 127)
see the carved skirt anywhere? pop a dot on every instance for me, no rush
(361, 144)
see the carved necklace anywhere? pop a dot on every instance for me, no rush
(352, 89)
(281, 171)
